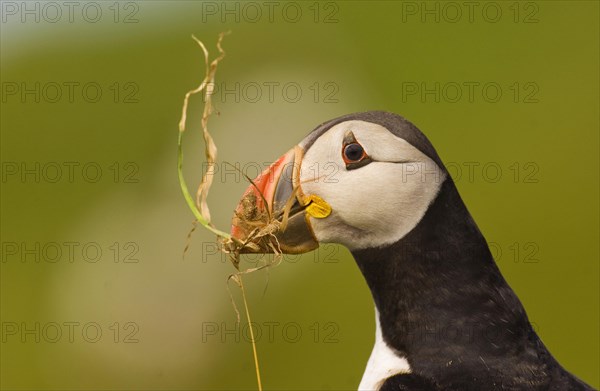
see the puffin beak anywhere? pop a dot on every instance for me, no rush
(274, 191)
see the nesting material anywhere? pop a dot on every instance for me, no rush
(261, 225)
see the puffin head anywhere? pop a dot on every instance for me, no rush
(362, 180)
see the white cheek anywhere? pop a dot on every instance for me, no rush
(374, 205)
(375, 208)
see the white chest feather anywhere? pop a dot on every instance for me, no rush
(383, 363)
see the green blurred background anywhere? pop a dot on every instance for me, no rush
(168, 322)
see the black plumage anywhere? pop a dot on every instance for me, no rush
(443, 302)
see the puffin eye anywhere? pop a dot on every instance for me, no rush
(353, 153)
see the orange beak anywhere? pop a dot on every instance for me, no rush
(265, 200)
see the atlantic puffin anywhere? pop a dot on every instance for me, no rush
(446, 319)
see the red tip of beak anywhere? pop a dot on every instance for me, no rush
(263, 189)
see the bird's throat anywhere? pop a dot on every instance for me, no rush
(439, 283)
